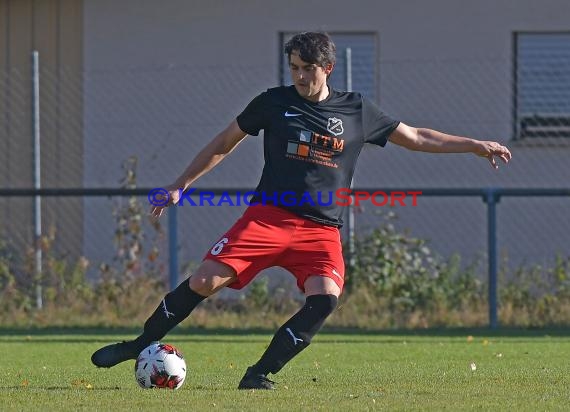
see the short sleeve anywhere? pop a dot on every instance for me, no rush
(252, 119)
(377, 125)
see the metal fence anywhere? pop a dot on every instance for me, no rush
(491, 197)
(152, 119)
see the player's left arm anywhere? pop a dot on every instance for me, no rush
(432, 141)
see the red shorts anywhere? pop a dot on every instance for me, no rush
(267, 236)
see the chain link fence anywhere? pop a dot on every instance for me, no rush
(101, 128)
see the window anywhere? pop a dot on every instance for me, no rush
(542, 97)
(363, 69)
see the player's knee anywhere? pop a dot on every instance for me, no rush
(210, 277)
(316, 310)
(202, 284)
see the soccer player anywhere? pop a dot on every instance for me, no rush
(313, 135)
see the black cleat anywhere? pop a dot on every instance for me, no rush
(111, 355)
(252, 380)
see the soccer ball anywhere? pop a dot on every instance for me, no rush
(160, 366)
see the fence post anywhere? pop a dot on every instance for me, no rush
(492, 198)
(351, 218)
(173, 247)
(38, 277)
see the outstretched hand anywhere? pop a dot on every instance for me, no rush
(491, 149)
(169, 196)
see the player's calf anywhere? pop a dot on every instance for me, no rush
(295, 335)
(174, 308)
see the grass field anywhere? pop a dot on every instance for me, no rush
(445, 370)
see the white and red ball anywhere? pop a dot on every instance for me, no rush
(160, 365)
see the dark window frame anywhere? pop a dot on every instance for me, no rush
(535, 127)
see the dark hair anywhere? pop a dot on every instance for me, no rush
(313, 47)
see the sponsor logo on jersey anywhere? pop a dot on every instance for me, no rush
(287, 114)
(305, 136)
(315, 148)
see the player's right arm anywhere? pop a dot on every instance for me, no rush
(212, 154)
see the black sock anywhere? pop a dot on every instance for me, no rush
(174, 308)
(296, 334)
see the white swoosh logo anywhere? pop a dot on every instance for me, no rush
(287, 114)
(336, 273)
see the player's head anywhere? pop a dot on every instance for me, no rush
(311, 58)
(312, 47)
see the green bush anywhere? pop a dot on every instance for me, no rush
(398, 281)
(403, 270)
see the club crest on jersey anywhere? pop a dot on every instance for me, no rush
(334, 126)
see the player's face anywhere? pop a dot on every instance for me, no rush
(309, 79)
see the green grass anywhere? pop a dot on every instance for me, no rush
(515, 370)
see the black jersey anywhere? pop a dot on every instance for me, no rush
(311, 148)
